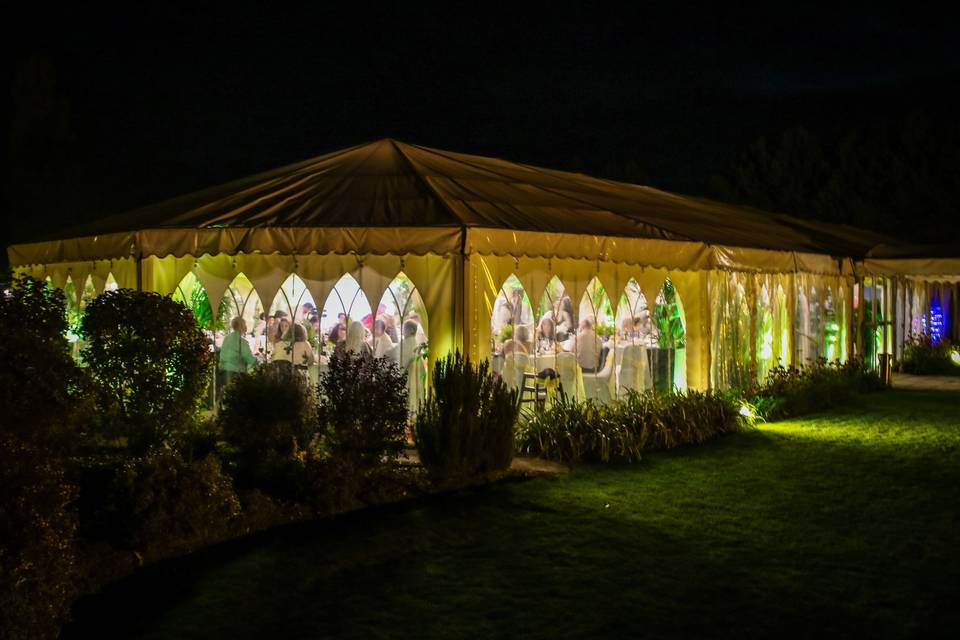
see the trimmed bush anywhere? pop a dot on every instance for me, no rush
(795, 391)
(150, 363)
(363, 405)
(269, 425)
(465, 426)
(568, 430)
(923, 357)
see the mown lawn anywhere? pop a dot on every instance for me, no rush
(841, 524)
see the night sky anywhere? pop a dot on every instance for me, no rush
(106, 112)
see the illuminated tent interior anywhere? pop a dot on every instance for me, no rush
(611, 286)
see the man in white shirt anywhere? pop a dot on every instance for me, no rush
(588, 347)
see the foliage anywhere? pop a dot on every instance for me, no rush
(269, 423)
(572, 431)
(667, 316)
(37, 550)
(875, 176)
(158, 503)
(150, 363)
(506, 332)
(922, 356)
(803, 527)
(44, 395)
(793, 391)
(465, 426)
(363, 403)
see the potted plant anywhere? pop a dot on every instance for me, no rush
(671, 337)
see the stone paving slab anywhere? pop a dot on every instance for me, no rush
(926, 383)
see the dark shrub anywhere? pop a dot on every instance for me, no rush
(42, 404)
(269, 423)
(923, 357)
(571, 431)
(37, 555)
(466, 425)
(363, 403)
(150, 363)
(158, 503)
(43, 394)
(795, 391)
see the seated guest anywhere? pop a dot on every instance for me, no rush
(382, 344)
(235, 354)
(547, 340)
(518, 343)
(588, 347)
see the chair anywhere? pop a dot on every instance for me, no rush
(633, 370)
(597, 385)
(514, 366)
(567, 370)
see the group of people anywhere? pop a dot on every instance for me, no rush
(557, 332)
(277, 338)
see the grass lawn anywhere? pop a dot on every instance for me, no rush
(844, 523)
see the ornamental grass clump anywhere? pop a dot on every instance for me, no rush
(571, 431)
(465, 426)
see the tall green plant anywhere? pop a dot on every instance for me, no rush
(466, 424)
(668, 319)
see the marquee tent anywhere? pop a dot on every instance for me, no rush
(468, 245)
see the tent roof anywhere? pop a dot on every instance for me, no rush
(393, 184)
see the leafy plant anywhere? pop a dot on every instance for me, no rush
(150, 364)
(44, 406)
(922, 356)
(269, 424)
(572, 431)
(465, 426)
(38, 577)
(792, 391)
(506, 332)
(363, 408)
(158, 503)
(667, 316)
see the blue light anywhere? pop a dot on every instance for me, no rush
(936, 320)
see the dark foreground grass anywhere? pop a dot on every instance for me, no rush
(844, 524)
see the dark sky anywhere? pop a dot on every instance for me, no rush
(161, 100)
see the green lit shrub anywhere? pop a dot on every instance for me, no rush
(465, 426)
(363, 409)
(569, 430)
(793, 391)
(923, 357)
(150, 364)
(159, 503)
(269, 425)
